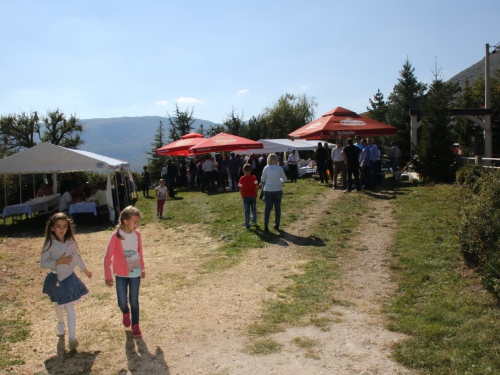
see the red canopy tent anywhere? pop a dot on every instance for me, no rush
(181, 146)
(224, 142)
(342, 123)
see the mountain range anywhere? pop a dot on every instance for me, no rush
(126, 138)
(130, 138)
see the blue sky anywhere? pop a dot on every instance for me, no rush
(101, 59)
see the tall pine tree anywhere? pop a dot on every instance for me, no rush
(407, 93)
(156, 162)
(436, 160)
(181, 124)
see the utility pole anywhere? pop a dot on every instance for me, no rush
(488, 142)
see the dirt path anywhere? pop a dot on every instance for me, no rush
(195, 323)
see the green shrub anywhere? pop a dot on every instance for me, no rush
(470, 177)
(479, 234)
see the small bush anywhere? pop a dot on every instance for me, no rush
(470, 177)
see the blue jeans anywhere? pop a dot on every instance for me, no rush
(250, 203)
(132, 284)
(273, 198)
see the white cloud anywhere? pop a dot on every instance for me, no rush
(244, 91)
(161, 103)
(184, 99)
(303, 87)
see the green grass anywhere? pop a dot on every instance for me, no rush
(265, 346)
(220, 215)
(452, 322)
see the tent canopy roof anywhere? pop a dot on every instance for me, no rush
(49, 158)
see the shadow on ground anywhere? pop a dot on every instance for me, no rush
(72, 362)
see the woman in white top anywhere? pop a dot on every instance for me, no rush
(273, 177)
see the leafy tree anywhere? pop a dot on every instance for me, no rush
(407, 93)
(181, 124)
(435, 156)
(289, 113)
(61, 131)
(156, 162)
(18, 131)
(214, 130)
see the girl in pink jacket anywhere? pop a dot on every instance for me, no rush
(124, 253)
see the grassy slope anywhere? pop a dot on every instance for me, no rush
(452, 322)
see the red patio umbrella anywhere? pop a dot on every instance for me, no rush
(192, 135)
(181, 146)
(342, 123)
(224, 142)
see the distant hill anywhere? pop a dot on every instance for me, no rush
(477, 70)
(126, 138)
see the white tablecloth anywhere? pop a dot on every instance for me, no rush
(83, 207)
(302, 171)
(32, 206)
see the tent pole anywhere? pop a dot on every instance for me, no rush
(54, 183)
(117, 197)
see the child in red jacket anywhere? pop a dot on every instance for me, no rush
(124, 253)
(248, 186)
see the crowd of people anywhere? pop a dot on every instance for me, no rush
(222, 172)
(360, 161)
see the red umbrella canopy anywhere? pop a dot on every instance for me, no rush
(180, 147)
(192, 135)
(224, 142)
(342, 123)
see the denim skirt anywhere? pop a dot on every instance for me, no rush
(70, 290)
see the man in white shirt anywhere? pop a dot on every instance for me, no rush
(67, 199)
(293, 160)
(208, 171)
(338, 164)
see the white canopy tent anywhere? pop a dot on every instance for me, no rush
(49, 158)
(282, 145)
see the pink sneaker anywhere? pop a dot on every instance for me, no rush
(136, 331)
(126, 320)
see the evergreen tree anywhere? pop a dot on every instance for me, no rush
(61, 131)
(255, 129)
(435, 161)
(407, 93)
(467, 133)
(378, 107)
(234, 124)
(378, 111)
(156, 162)
(181, 124)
